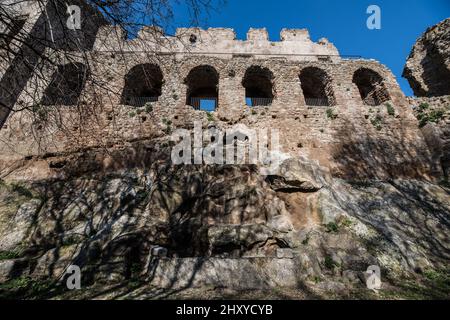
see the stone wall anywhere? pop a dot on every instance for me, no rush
(350, 137)
(434, 114)
(428, 66)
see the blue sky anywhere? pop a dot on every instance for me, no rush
(342, 22)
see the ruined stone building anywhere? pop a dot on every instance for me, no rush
(327, 107)
(428, 72)
(87, 118)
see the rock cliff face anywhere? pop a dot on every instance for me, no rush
(428, 72)
(434, 119)
(428, 66)
(181, 227)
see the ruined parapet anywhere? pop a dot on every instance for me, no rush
(110, 37)
(428, 66)
(295, 44)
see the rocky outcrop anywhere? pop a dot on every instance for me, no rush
(434, 119)
(223, 226)
(428, 72)
(428, 66)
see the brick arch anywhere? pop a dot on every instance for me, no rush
(202, 87)
(66, 85)
(371, 86)
(258, 82)
(143, 84)
(317, 87)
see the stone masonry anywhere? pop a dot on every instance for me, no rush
(428, 66)
(428, 71)
(350, 115)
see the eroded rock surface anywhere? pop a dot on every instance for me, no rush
(428, 66)
(211, 222)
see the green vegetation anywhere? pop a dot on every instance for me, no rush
(166, 121)
(331, 114)
(377, 122)
(209, 116)
(433, 116)
(148, 107)
(426, 115)
(390, 109)
(332, 227)
(329, 263)
(40, 111)
(435, 285)
(424, 106)
(346, 222)
(132, 114)
(317, 279)
(6, 255)
(27, 288)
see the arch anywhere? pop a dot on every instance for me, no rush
(258, 84)
(317, 87)
(143, 83)
(371, 87)
(67, 83)
(202, 88)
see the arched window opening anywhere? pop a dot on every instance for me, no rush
(258, 84)
(317, 87)
(66, 85)
(202, 88)
(143, 84)
(371, 87)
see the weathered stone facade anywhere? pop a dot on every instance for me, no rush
(428, 66)
(293, 78)
(428, 72)
(434, 116)
(87, 178)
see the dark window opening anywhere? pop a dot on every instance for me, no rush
(324, 58)
(193, 38)
(258, 84)
(317, 87)
(12, 29)
(143, 84)
(66, 85)
(371, 87)
(202, 88)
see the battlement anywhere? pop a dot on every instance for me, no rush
(96, 35)
(295, 44)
